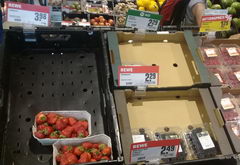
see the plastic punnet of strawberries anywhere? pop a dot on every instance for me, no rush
(55, 126)
(83, 153)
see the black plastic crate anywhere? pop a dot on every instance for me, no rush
(51, 70)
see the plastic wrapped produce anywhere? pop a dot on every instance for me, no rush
(235, 127)
(229, 107)
(210, 55)
(233, 74)
(220, 73)
(141, 135)
(172, 133)
(201, 143)
(230, 54)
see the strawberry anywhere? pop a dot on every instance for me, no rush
(77, 126)
(47, 130)
(81, 132)
(85, 156)
(74, 135)
(71, 158)
(54, 135)
(52, 118)
(105, 158)
(107, 151)
(72, 120)
(93, 160)
(85, 124)
(67, 131)
(96, 154)
(86, 133)
(66, 149)
(41, 118)
(41, 126)
(60, 125)
(59, 157)
(102, 146)
(87, 145)
(39, 134)
(62, 136)
(95, 146)
(78, 150)
(65, 120)
(64, 160)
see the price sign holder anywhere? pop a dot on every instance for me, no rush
(212, 23)
(143, 20)
(140, 76)
(22, 13)
(154, 150)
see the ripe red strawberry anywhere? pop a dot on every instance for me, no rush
(60, 125)
(107, 151)
(54, 135)
(102, 146)
(47, 130)
(81, 132)
(59, 157)
(67, 131)
(78, 150)
(74, 135)
(41, 126)
(95, 146)
(52, 118)
(41, 118)
(77, 126)
(64, 160)
(66, 149)
(96, 154)
(86, 157)
(93, 160)
(39, 134)
(87, 145)
(105, 158)
(72, 120)
(85, 124)
(86, 133)
(65, 120)
(71, 158)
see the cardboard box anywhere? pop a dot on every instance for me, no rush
(175, 54)
(171, 109)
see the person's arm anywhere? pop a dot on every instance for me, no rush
(198, 10)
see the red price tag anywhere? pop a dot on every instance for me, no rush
(154, 150)
(138, 75)
(27, 14)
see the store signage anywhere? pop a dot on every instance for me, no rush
(138, 75)
(143, 20)
(27, 14)
(215, 23)
(154, 150)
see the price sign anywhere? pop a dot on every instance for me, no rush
(138, 75)
(27, 14)
(215, 23)
(153, 150)
(143, 20)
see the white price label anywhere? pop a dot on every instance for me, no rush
(205, 140)
(233, 51)
(138, 138)
(27, 14)
(138, 75)
(237, 74)
(219, 77)
(143, 20)
(153, 150)
(210, 52)
(227, 103)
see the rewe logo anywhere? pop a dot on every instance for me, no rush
(15, 5)
(126, 69)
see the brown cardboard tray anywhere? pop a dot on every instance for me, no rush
(168, 108)
(175, 54)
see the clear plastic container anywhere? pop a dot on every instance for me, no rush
(220, 73)
(200, 142)
(233, 74)
(229, 107)
(167, 133)
(210, 55)
(235, 125)
(230, 54)
(141, 135)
